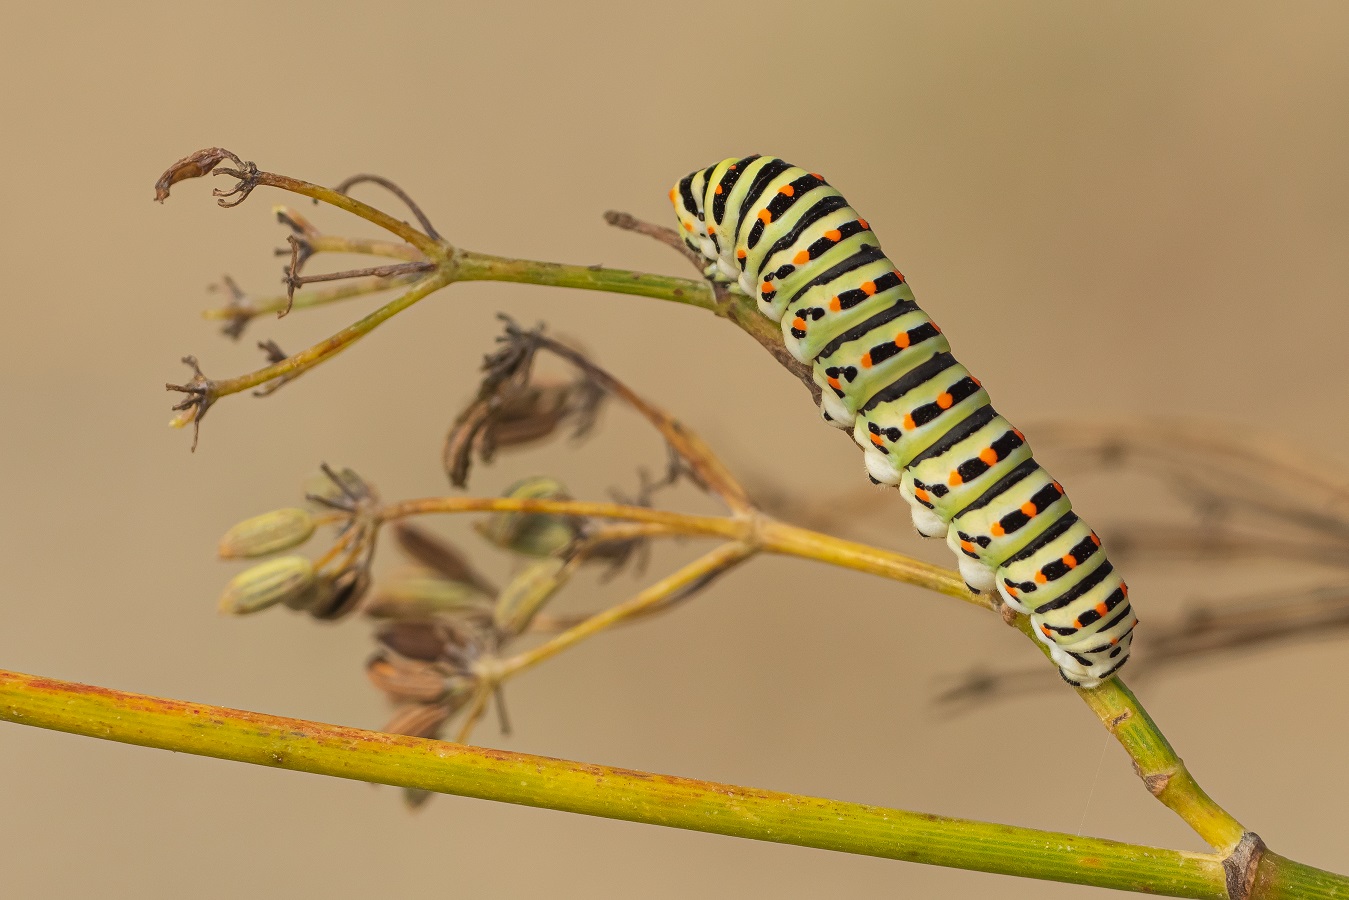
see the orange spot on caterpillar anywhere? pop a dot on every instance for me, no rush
(718, 189)
(945, 400)
(834, 383)
(1100, 608)
(835, 305)
(920, 494)
(1011, 588)
(1045, 629)
(977, 382)
(1019, 436)
(834, 235)
(909, 423)
(1095, 540)
(765, 216)
(868, 287)
(735, 165)
(711, 229)
(876, 439)
(1028, 510)
(988, 455)
(688, 226)
(902, 340)
(673, 195)
(1070, 561)
(767, 288)
(997, 530)
(955, 480)
(801, 258)
(740, 254)
(863, 223)
(967, 546)
(1124, 588)
(866, 360)
(787, 190)
(799, 323)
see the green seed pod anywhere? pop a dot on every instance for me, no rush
(280, 529)
(417, 594)
(288, 579)
(527, 593)
(532, 534)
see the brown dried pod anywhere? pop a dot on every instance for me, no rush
(407, 680)
(417, 594)
(422, 720)
(440, 556)
(344, 593)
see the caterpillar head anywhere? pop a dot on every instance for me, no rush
(692, 227)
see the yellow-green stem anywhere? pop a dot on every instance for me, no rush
(704, 567)
(616, 793)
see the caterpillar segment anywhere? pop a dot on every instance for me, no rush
(785, 237)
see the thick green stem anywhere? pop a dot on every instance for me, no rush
(609, 792)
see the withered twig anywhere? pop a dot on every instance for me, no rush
(201, 394)
(250, 176)
(667, 236)
(391, 270)
(346, 186)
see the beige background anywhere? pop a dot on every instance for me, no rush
(1150, 197)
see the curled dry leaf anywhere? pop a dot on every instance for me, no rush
(194, 165)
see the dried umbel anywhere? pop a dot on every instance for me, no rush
(272, 532)
(287, 579)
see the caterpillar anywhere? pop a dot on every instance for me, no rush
(784, 236)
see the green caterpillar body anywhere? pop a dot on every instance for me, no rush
(782, 235)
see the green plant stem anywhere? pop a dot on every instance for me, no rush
(760, 531)
(621, 793)
(695, 573)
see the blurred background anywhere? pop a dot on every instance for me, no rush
(1116, 211)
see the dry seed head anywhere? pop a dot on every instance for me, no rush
(338, 489)
(527, 593)
(532, 534)
(271, 532)
(288, 579)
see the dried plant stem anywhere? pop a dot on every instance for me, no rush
(695, 573)
(333, 243)
(708, 469)
(637, 796)
(307, 299)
